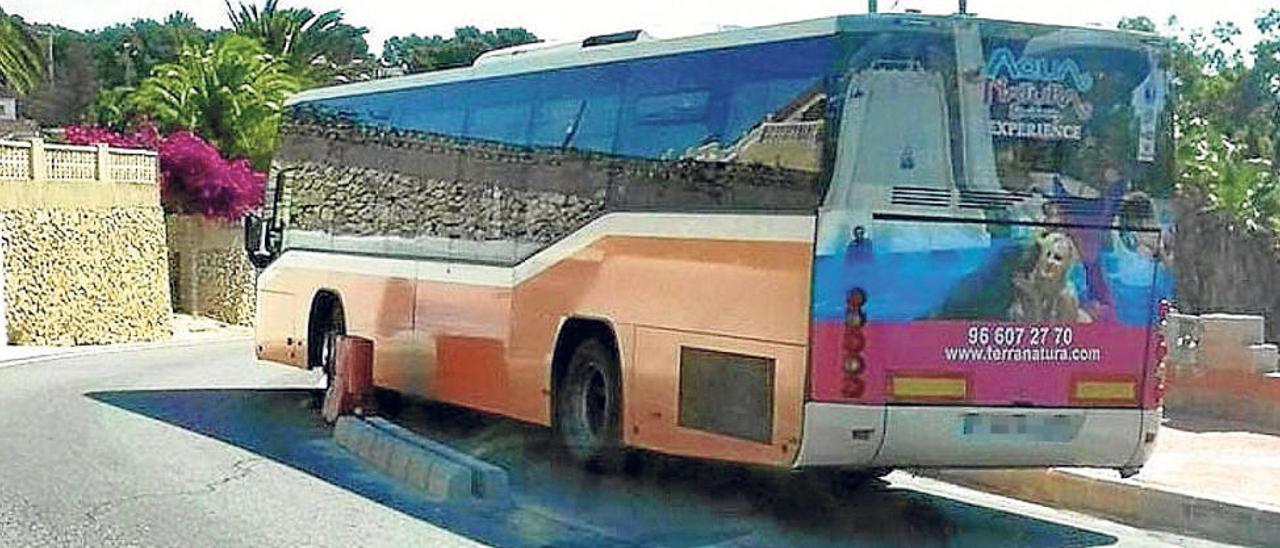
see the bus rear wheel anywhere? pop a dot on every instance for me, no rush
(588, 406)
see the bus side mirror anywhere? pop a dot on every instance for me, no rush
(254, 245)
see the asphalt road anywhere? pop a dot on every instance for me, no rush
(203, 446)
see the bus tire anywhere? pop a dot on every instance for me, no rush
(588, 418)
(327, 324)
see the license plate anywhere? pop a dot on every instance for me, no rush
(1008, 427)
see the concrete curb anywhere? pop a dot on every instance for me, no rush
(96, 350)
(1128, 502)
(443, 473)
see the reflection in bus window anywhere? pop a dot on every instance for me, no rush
(506, 123)
(516, 162)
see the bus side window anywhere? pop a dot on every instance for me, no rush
(556, 121)
(578, 109)
(778, 122)
(500, 111)
(505, 123)
(674, 106)
(756, 99)
(581, 123)
(435, 110)
(598, 127)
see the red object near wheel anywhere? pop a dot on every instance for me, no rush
(352, 385)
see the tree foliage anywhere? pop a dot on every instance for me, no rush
(1227, 119)
(21, 64)
(1140, 23)
(124, 54)
(230, 92)
(424, 53)
(321, 48)
(74, 84)
(113, 109)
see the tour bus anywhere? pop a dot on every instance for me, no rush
(852, 243)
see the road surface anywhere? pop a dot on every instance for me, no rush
(204, 446)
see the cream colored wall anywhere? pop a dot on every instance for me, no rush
(84, 245)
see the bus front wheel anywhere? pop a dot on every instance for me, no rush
(589, 407)
(327, 324)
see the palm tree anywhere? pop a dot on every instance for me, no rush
(231, 92)
(21, 65)
(318, 47)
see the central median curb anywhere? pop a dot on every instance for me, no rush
(1127, 501)
(441, 472)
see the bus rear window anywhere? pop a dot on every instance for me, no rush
(985, 114)
(1075, 115)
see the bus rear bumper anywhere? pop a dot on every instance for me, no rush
(975, 437)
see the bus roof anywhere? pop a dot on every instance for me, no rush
(541, 57)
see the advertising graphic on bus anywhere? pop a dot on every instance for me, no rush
(862, 242)
(1033, 281)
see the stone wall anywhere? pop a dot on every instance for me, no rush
(85, 276)
(84, 246)
(211, 276)
(1221, 267)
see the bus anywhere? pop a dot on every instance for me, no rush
(847, 244)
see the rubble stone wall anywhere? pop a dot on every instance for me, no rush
(211, 275)
(84, 263)
(1221, 267)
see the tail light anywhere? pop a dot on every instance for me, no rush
(1161, 353)
(854, 342)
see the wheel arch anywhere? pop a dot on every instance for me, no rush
(569, 334)
(323, 303)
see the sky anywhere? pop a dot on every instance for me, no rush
(576, 19)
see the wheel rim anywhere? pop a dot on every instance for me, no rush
(595, 402)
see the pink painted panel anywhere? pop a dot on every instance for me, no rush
(1023, 365)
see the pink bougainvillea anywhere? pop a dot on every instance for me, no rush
(144, 136)
(194, 177)
(195, 174)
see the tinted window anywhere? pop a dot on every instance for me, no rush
(554, 120)
(684, 106)
(492, 170)
(1089, 113)
(507, 123)
(578, 108)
